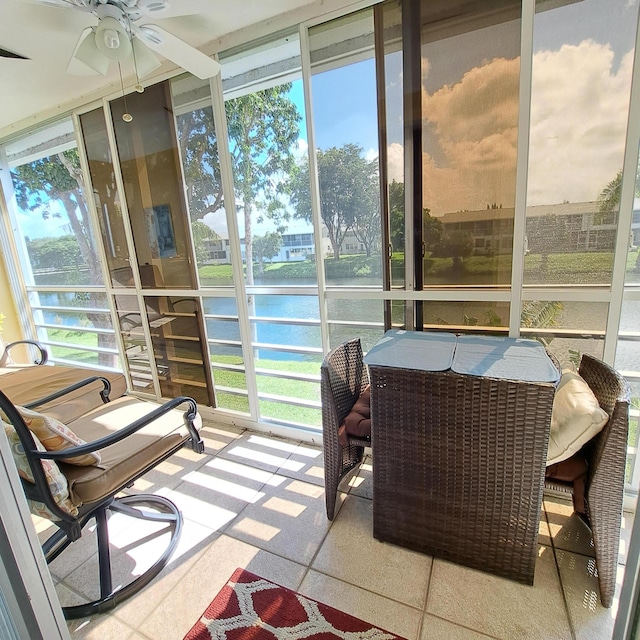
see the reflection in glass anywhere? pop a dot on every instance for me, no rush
(391, 17)
(587, 317)
(148, 155)
(178, 347)
(201, 168)
(105, 194)
(346, 135)
(568, 350)
(582, 63)
(470, 84)
(628, 349)
(136, 349)
(466, 316)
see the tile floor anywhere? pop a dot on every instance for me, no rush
(258, 503)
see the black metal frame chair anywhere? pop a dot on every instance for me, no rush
(42, 358)
(343, 377)
(606, 456)
(70, 527)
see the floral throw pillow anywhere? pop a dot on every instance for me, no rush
(55, 478)
(56, 436)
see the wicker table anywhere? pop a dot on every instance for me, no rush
(459, 456)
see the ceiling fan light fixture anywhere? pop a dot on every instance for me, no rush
(89, 54)
(146, 61)
(112, 39)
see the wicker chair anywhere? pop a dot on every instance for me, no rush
(606, 461)
(343, 377)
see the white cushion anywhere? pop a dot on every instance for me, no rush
(576, 417)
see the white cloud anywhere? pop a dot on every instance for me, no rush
(395, 162)
(578, 122)
(371, 155)
(217, 220)
(471, 139)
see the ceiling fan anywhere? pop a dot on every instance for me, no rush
(5, 53)
(119, 37)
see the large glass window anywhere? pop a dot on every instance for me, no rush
(582, 63)
(346, 136)
(470, 83)
(148, 156)
(267, 143)
(59, 249)
(201, 169)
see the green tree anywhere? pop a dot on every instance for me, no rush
(55, 253)
(348, 195)
(263, 128)
(266, 247)
(202, 233)
(201, 166)
(57, 179)
(609, 197)
(457, 245)
(433, 232)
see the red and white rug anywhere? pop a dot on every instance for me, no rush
(251, 608)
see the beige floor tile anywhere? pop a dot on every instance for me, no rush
(382, 612)
(305, 463)
(191, 595)
(68, 597)
(217, 436)
(591, 621)
(259, 451)
(568, 531)
(499, 607)
(75, 555)
(290, 520)
(131, 556)
(102, 627)
(544, 533)
(194, 541)
(351, 553)
(438, 629)
(219, 491)
(361, 483)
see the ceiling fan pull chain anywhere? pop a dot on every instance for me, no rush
(126, 116)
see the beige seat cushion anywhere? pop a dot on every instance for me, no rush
(24, 385)
(128, 458)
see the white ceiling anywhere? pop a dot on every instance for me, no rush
(47, 36)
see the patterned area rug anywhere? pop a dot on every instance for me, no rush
(251, 608)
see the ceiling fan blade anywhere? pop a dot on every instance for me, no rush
(5, 53)
(173, 8)
(64, 4)
(87, 59)
(178, 51)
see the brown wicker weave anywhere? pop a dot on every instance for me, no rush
(606, 456)
(343, 377)
(458, 466)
